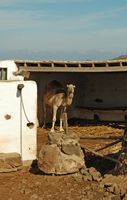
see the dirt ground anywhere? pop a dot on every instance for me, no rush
(31, 184)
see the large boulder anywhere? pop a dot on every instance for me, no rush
(63, 155)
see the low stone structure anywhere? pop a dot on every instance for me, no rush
(63, 154)
(10, 162)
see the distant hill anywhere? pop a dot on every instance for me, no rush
(122, 57)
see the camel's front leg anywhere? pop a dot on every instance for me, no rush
(44, 115)
(55, 108)
(63, 109)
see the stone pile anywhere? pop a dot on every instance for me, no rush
(63, 154)
(114, 187)
(90, 174)
(109, 187)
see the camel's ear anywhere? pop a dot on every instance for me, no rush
(69, 85)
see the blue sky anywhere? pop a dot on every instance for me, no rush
(63, 29)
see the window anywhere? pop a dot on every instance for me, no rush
(3, 73)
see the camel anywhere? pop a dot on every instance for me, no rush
(56, 97)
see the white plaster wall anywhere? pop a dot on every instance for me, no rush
(15, 135)
(11, 67)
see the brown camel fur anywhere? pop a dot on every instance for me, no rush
(56, 97)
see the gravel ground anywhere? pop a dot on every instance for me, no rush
(96, 182)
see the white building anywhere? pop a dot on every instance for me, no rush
(18, 110)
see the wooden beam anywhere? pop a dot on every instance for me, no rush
(73, 66)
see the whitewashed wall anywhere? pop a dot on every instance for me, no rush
(11, 67)
(15, 135)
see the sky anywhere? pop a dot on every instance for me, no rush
(63, 29)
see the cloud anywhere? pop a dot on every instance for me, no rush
(35, 31)
(26, 17)
(40, 33)
(72, 20)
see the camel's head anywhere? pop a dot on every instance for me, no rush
(70, 93)
(70, 88)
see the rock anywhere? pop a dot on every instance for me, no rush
(61, 138)
(109, 196)
(48, 158)
(25, 191)
(34, 197)
(69, 163)
(77, 177)
(108, 180)
(62, 156)
(10, 162)
(125, 197)
(115, 185)
(52, 161)
(113, 189)
(116, 189)
(84, 170)
(96, 176)
(72, 136)
(92, 170)
(123, 192)
(87, 177)
(70, 149)
(55, 138)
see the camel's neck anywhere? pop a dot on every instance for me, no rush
(69, 97)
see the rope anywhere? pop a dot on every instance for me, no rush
(21, 127)
(29, 124)
(24, 107)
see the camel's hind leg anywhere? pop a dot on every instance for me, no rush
(55, 108)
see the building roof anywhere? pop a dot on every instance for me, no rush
(73, 66)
